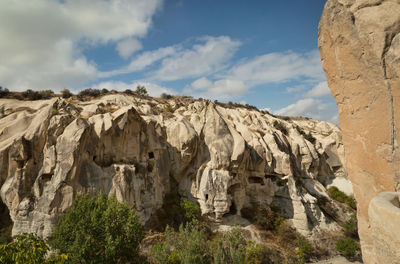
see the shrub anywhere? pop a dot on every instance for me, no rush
(278, 125)
(66, 93)
(340, 196)
(304, 248)
(350, 227)
(89, 92)
(28, 249)
(169, 108)
(255, 253)
(141, 90)
(191, 210)
(99, 230)
(166, 96)
(3, 92)
(347, 247)
(307, 136)
(46, 94)
(54, 112)
(229, 248)
(188, 245)
(264, 217)
(128, 91)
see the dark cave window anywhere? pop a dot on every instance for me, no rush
(232, 209)
(151, 155)
(206, 197)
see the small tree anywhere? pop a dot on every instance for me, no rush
(66, 93)
(99, 230)
(141, 90)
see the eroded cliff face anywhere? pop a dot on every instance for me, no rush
(359, 42)
(139, 149)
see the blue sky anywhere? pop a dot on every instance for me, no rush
(263, 53)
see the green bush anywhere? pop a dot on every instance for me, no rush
(304, 249)
(264, 217)
(188, 245)
(28, 249)
(229, 247)
(54, 112)
(347, 247)
(99, 230)
(255, 253)
(350, 227)
(191, 210)
(340, 196)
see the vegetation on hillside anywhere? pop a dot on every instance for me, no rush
(99, 230)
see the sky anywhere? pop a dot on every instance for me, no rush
(259, 52)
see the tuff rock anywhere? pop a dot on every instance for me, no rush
(359, 42)
(138, 149)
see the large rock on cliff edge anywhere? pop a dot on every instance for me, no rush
(359, 42)
(226, 158)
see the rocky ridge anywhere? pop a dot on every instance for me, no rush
(138, 149)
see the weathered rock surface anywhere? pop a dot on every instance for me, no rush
(359, 42)
(139, 149)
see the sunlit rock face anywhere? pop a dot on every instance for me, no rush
(359, 43)
(137, 149)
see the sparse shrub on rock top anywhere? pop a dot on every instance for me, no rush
(340, 196)
(37, 95)
(3, 92)
(99, 230)
(89, 92)
(166, 96)
(66, 93)
(308, 136)
(278, 125)
(141, 90)
(350, 227)
(347, 247)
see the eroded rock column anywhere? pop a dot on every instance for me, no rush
(359, 42)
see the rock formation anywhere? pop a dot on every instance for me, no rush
(138, 149)
(359, 42)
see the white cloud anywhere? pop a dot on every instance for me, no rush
(278, 68)
(39, 38)
(220, 89)
(152, 88)
(127, 47)
(202, 84)
(303, 107)
(296, 88)
(320, 90)
(310, 107)
(148, 58)
(205, 58)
